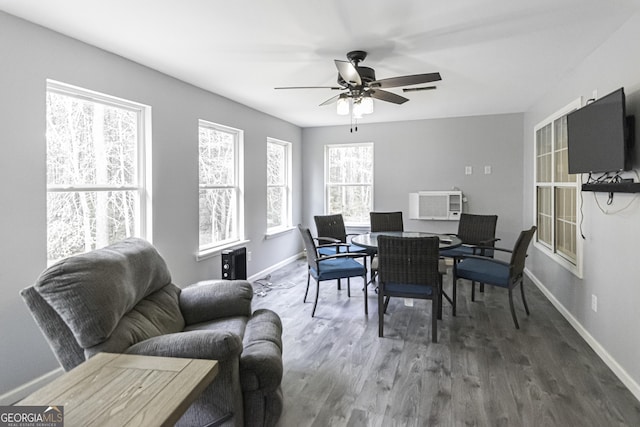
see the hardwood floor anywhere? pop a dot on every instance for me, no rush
(482, 371)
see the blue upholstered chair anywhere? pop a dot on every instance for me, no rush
(408, 268)
(495, 272)
(334, 266)
(478, 235)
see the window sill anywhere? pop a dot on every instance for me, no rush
(278, 232)
(217, 250)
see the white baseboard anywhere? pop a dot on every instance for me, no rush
(275, 267)
(25, 390)
(618, 370)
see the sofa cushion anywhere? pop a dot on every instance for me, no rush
(93, 291)
(235, 325)
(261, 360)
(157, 314)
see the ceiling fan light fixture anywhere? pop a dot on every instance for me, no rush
(342, 106)
(358, 109)
(367, 104)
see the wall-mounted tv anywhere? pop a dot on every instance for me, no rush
(599, 139)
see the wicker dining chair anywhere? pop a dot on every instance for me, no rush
(383, 221)
(336, 266)
(498, 273)
(478, 235)
(408, 268)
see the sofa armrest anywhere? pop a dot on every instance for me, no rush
(215, 299)
(261, 361)
(213, 345)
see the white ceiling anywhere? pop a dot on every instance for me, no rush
(495, 56)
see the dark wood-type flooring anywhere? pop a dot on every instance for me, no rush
(482, 371)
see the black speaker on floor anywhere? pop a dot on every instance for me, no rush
(234, 264)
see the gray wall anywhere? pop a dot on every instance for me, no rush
(611, 267)
(28, 56)
(431, 155)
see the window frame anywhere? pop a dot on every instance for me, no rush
(142, 185)
(286, 185)
(328, 185)
(551, 249)
(214, 248)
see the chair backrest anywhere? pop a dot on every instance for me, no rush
(519, 253)
(475, 229)
(410, 260)
(386, 221)
(310, 246)
(105, 300)
(331, 226)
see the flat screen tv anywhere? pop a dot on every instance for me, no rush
(598, 136)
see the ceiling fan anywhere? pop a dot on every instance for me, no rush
(359, 83)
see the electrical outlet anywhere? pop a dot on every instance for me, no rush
(487, 170)
(249, 256)
(594, 303)
(468, 170)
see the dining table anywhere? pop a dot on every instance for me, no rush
(370, 240)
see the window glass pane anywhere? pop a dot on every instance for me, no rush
(217, 157)
(217, 216)
(565, 203)
(276, 162)
(543, 154)
(350, 164)
(561, 151)
(90, 143)
(276, 207)
(80, 221)
(352, 201)
(544, 217)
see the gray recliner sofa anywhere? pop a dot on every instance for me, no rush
(121, 299)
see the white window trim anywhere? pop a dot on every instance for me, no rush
(576, 268)
(214, 249)
(144, 221)
(275, 231)
(326, 184)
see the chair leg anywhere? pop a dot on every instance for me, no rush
(366, 296)
(440, 292)
(435, 303)
(386, 303)
(381, 310)
(339, 287)
(313, 312)
(481, 287)
(524, 301)
(513, 311)
(307, 291)
(454, 291)
(473, 290)
(349, 287)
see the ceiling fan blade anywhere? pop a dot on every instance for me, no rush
(331, 100)
(417, 89)
(383, 95)
(414, 79)
(348, 72)
(310, 87)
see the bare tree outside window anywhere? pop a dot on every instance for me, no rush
(219, 198)
(93, 185)
(349, 181)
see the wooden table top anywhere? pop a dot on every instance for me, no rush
(127, 390)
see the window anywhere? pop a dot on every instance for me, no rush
(556, 193)
(95, 170)
(220, 186)
(278, 185)
(349, 181)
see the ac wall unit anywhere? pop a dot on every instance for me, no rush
(435, 205)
